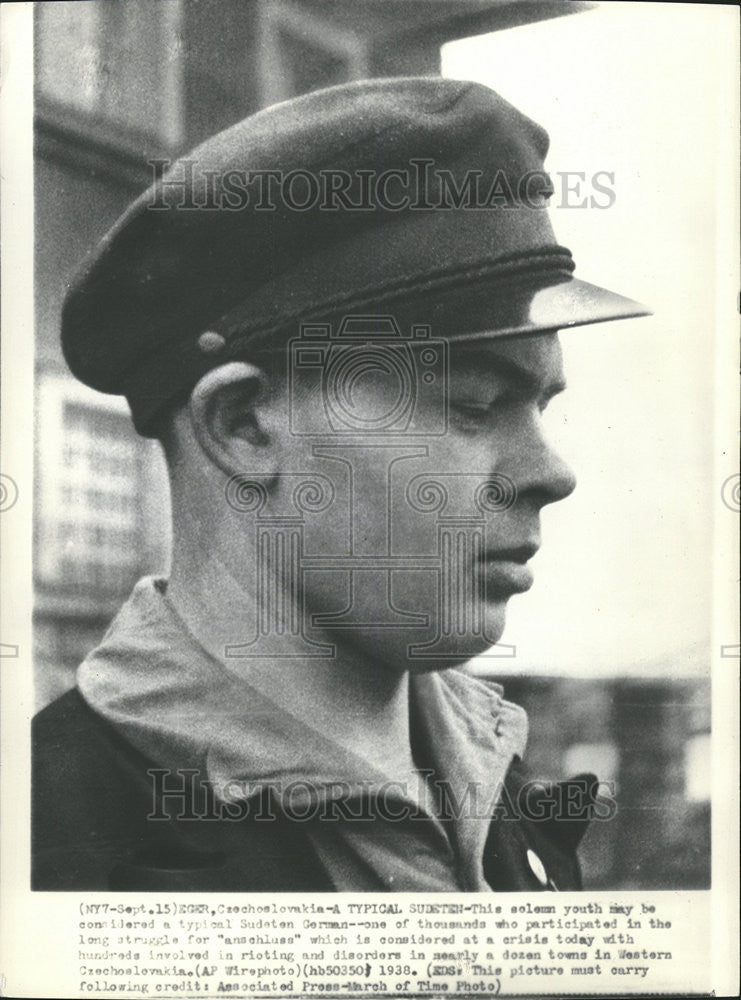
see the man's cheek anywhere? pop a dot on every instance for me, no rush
(416, 591)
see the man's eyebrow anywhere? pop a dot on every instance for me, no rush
(521, 377)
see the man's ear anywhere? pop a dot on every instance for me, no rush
(227, 414)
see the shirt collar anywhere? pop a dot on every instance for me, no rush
(181, 707)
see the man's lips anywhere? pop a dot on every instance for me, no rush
(513, 553)
(505, 570)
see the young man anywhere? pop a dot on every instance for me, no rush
(339, 317)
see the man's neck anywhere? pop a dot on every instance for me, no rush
(362, 705)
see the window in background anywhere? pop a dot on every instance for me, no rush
(117, 64)
(68, 59)
(300, 52)
(89, 492)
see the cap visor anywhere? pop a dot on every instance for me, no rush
(481, 311)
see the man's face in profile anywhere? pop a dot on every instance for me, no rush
(431, 506)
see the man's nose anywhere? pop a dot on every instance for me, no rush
(537, 470)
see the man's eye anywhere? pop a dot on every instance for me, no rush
(472, 412)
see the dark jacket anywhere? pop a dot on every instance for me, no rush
(92, 796)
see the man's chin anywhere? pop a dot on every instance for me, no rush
(495, 619)
(454, 649)
(435, 647)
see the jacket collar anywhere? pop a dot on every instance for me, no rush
(181, 707)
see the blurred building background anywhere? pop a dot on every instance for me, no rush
(122, 83)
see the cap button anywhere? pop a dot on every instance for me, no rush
(211, 342)
(536, 867)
